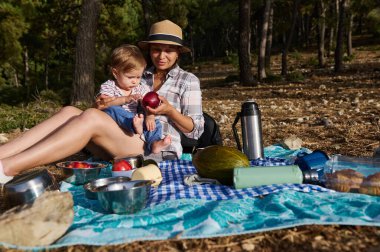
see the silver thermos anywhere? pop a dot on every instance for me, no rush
(250, 117)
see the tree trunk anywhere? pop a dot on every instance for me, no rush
(331, 41)
(350, 18)
(288, 40)
(47, 72)
(146, 14)
(246, 76)
(192, 45)
(263, 41)
(83, 85)
(17, 84)
(26, 69)
(333, 14)
(268, 48)
(307, 30)
(339, 38)
(321, 32)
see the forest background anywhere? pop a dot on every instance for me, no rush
(59, 49)
(297, 58)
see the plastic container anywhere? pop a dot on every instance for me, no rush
(266, 175)
(353, 174)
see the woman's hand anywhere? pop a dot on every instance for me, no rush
(163, 109)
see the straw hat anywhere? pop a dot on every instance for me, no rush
(165, 32)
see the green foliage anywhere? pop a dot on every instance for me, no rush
(12, 117)
(313, 62)
(374, 21)
(232, 78)
(273, 78)
(347, 58)
(232, 59)
(296, 55)
(12, 95)
(295, 76)
(51, 96)
(12, 27)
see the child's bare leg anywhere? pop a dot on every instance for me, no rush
(157, 146)
(138, 121)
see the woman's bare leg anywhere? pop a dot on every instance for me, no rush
(38, 132)
(92, 125)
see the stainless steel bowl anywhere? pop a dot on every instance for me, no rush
(26, 188)
(124, 197)
(91, 188)
(80, 176)
(136, 161)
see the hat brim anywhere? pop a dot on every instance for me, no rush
(144, 45)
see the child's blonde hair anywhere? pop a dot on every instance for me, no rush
(126, 58)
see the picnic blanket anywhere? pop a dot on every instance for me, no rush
(179, 211)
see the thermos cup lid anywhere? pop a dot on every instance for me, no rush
(250, 108)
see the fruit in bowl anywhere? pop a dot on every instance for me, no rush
(123, 168)
(80, 172)
(151, 99)
(78, 164)
(121, 165)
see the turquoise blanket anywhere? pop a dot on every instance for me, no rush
(197, 218)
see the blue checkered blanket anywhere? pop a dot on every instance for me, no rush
(173, 187)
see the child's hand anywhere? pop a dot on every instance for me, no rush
(103, 101)
(132, 98)
(150, 123)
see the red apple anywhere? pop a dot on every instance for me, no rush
(151, 99)
(121, 165)
(79, 164)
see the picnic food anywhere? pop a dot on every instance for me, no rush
(371, 184)
(78, 164)
(218, 162)
(344, 180)
(121, 165)
(149, 172)
(151, 99)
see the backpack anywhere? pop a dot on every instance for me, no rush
(210, 136)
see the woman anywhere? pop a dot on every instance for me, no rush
(180, 94)
(71, 129)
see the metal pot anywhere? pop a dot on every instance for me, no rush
(24, 189)
(96, 185)
(80, 176)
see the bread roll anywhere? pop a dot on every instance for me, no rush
(344, 180)
(371, 184)
(148, 172)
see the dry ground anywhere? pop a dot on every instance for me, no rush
(337, 113)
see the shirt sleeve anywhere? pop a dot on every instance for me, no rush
(107, 88)
(191, 105)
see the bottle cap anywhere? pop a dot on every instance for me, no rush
(311, 176)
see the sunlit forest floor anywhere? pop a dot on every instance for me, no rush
(336, 113)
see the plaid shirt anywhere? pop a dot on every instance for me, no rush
(109, 88)
(182, 90)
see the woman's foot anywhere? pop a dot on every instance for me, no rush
(161, 144)
(3, 178)
(138, 123)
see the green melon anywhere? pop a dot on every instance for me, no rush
(218, 162)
